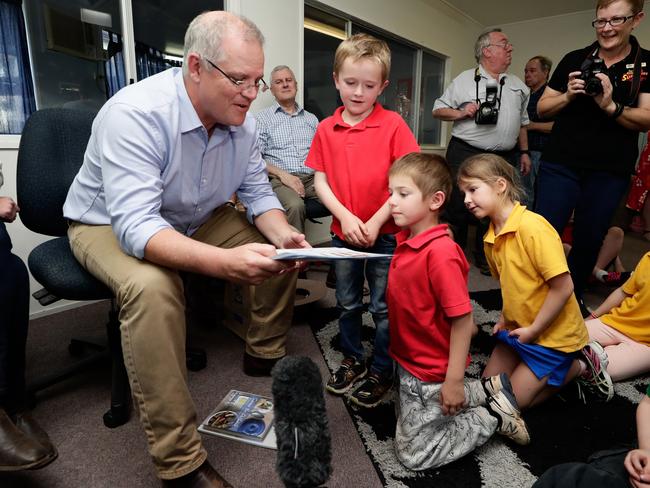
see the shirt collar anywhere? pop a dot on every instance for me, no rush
(189, 119)
(511, 225)
(276, 106)
(486, 75)
(423, 238)
(371, 120)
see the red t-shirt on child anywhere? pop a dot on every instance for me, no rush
(427, 287)
(356, 160)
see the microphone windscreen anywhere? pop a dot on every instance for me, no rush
(301, 428)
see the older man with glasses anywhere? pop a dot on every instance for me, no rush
(600, 98)
(471, 135)
(164, 157)
(285, 134)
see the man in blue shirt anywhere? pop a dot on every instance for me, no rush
(164, 157)
(285, 134)
(536, 74)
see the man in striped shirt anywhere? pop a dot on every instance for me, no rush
(285, 133)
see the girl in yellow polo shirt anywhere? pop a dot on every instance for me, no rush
(622, 325)
(540, 334)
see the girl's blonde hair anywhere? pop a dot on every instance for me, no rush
(489, 168)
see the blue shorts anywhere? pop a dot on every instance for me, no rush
(541, 360)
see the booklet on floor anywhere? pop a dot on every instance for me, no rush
(243, 417)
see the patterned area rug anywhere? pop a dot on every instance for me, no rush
(563, 429)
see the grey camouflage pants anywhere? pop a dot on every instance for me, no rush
(425, 438)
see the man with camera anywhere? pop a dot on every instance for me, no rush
(488, 109)
(600, 98)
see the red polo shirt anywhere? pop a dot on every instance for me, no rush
(356, 160)
(427, 286)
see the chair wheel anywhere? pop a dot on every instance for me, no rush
(196, 361)
(116, 416)
(76, 349)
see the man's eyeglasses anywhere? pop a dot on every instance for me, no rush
(241, 84)
(502, 44)
(614, 21)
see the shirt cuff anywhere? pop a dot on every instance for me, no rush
(136, 239)
(260, 206)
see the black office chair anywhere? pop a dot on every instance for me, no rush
(51, 152)
(52, 147)
(314, 209)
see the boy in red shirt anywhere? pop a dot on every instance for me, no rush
(351, 153)
(441, 417)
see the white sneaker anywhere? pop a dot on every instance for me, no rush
(503, 406)
(595, 378)
(494, 384)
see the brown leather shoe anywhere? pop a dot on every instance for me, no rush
(18, 451)
(203, 477)
(254, 366)
(28, 425)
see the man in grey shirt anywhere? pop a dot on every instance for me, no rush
(164, 157)
(459, 104)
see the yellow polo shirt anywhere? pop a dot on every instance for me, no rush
(632, 316)
(523, 256)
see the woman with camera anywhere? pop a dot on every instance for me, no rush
(600, 98)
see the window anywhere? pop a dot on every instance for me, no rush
(68, 50)
(16, 89)
(76, 50)
(416, 74)
(323, 33)
(433, 68)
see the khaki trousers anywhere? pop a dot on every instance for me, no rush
(294, 204)
(152, 325)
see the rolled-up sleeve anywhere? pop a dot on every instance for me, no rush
(449, 98)
(132, 160)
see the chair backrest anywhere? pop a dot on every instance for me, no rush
(52, 147)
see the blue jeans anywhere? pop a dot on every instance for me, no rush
(529, 180)
(350, 274)
(593, 196)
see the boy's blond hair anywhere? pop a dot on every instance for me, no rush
(361, 46)
(429, 172)
(489, 168)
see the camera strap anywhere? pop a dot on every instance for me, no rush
(477, 78)
(636, 75)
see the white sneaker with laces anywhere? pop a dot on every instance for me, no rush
(504, 407)
(595, 378)
(494, 384)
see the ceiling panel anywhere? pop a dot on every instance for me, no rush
(506, 11)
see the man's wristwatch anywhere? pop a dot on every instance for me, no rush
(525, 151)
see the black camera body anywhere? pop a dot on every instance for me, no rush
(488, 111)
(588, 71)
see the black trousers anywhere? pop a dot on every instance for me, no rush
(14, 319)
(455, 212)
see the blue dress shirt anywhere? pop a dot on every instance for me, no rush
(150, 165)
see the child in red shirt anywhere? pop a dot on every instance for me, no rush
(351, 154)
(441, 417)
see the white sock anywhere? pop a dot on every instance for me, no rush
(600, 274)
